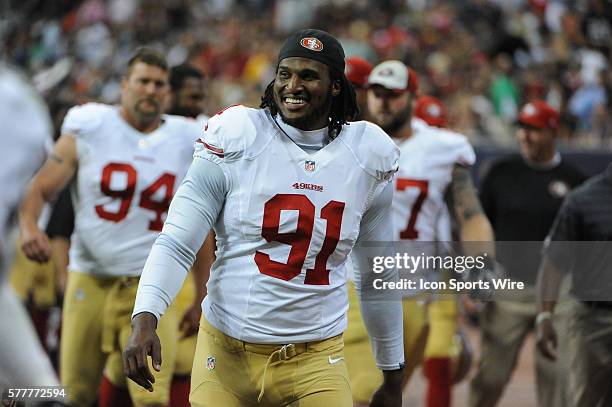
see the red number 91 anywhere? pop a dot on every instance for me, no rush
(300, 239)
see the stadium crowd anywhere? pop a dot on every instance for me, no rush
(483, 58)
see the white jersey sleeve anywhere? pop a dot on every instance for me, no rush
(381, 311)
(192, 213)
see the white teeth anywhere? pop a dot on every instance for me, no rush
(294, 101)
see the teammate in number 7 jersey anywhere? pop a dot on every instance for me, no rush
(290, 189)
(432, 185)
(125, 163)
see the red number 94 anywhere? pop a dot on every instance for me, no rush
(125, 195)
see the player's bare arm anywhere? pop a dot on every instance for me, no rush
(201, 271)
(388, 394)
(466, 209)
(59, 252)
(474, 226)
(55, 174)
(548, 286)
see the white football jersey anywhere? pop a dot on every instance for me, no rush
(289, 221)
(123, 186)
(25, 141)
(427, 160)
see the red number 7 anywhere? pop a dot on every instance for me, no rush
(410, 233)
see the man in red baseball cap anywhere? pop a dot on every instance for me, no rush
(538, 124)
(431, 110)
(357, 71)
(521, 195)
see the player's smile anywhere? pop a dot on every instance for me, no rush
(295, 103)
(302, 92)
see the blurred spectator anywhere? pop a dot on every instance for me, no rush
(587, 99)
(503, 90)
(597, 25)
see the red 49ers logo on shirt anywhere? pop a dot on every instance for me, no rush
(312, 44)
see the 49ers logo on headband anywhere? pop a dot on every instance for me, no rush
(312, 44)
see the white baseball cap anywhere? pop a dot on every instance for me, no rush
(394, 75)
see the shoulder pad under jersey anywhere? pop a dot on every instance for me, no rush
(231, 133)
(374, 150)
(456, 145)
(84, 119)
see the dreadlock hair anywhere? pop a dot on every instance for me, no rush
(344, 107)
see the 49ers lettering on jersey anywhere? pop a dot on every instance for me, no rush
(124, 185)
(289, 238)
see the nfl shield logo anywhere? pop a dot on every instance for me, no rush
(309, 166)
(210, 362)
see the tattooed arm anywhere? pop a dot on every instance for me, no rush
(44, 187)
(465, 208)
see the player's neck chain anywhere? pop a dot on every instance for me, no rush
(305, 139)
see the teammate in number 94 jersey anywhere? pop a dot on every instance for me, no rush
(124, 186)
(124, 162)
(290, 190)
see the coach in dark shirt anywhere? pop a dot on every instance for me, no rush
(521, 195)
(580, 243)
